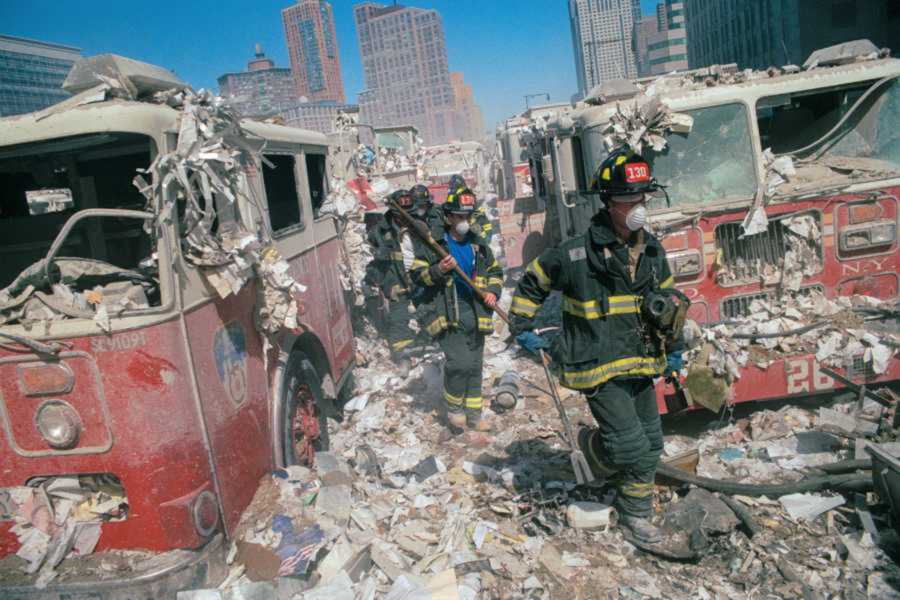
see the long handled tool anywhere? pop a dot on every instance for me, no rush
(422, 231)
(579, 462)
(580, 465)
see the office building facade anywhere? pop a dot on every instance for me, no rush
(32, 73)
(313, 51)
(262, 89)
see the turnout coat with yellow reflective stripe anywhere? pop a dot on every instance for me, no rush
(439, 305)
(386, 271)
(602, 333)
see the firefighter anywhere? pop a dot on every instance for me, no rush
(451, 312)
(386, 275)
(607, 349)
(479, 222)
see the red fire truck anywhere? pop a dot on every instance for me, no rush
(521, 206)
(173, 406)
(836, 119)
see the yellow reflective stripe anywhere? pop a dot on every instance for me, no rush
(523, 306)
(419, 263)
(535, 268)
(426, 277)
(396, 255)
(636, 489)
(591, 309)
(401, 344)
(495, 281)
(475, 402)
(603, 373)
(485, 323)
(398, 289)
(437, 326)
(668, 282)
(451, 399)
(495, 264)
(487, 227)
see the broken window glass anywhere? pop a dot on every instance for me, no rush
(712, 163)
(96, 171)
(280, 182)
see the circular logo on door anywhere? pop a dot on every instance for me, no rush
(230, 351)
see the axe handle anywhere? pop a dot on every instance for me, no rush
(425, 236)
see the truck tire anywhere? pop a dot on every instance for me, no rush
(305, 425)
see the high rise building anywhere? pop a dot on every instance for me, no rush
(667, 49)
(761, 33)
(470, 125)
(603, 40)
(262, 89)
(646, 27)
(313, 50)
(404, 59)
(316, 116)
(32, 73)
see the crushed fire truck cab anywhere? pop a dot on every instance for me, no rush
(138, 369)
(783, 182)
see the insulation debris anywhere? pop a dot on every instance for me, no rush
(647, 124)
(794, 324)
(60, 517)
(206, 170)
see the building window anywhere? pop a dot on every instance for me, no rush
(282, 199)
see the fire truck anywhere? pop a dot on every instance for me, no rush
(520, 175)
(175, 407)
(836, 118)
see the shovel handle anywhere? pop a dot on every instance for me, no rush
(425, 235)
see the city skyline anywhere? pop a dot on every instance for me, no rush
(505, 53)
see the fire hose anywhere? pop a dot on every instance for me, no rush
(847, 482)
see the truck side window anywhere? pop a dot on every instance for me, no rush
(315, 174)
(281, 192)
(578, 158)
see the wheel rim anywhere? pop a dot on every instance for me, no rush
(305, 427)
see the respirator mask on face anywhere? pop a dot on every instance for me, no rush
(462, 228)
(636, 217)
(421, 211)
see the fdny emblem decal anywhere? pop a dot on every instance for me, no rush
(230, 352)
(635, 172)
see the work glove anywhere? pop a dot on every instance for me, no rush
(674, 362)
(532, 342)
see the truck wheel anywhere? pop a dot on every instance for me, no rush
(305, 425)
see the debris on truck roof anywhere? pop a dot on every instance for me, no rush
(205, 170)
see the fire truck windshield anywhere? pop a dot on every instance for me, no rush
(712, 163)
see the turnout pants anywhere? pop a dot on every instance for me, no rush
(463, 347)
(628, 440)
(399, 334)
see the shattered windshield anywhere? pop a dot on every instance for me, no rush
(110, 258)
(873, 131)
(712, 163)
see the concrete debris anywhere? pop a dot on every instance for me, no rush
(832, 329)
(807, 507)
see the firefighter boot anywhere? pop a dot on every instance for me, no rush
(641, 528)
(476, 421)
(456, 419)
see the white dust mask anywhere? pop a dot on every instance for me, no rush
(462, 228)
(636, 217)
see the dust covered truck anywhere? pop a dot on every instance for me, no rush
(779, 213)
(172, 327)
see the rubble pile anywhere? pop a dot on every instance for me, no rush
(398, 508)
(833, 330)
(60, 517)
(646, 124)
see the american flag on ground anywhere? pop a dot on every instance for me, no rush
(297, 550)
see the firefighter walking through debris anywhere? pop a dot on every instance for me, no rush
(450, 311)
(609, 349)
(387, 277)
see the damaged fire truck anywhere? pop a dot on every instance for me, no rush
(781, 198)
(172, 326)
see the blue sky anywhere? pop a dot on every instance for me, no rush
(506, 48)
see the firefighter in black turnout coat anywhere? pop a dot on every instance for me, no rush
(607, 349)
(450, 311)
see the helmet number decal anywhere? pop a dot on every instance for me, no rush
(467, 200)
(635, 172)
